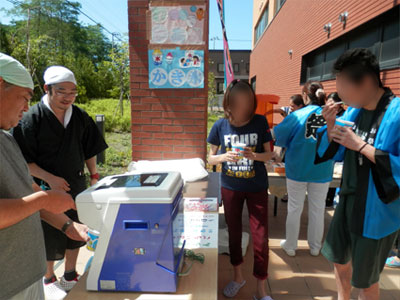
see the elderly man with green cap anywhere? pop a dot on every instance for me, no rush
(22, 202)
(58, 139)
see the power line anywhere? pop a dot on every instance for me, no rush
(235, 40)
(49, 14)
(101, 16)
(97, 23)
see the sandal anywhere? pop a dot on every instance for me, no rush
(232, 288)
(263, 298)
(392, 262)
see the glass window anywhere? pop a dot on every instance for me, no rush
(331, 56)
(262, 24)
(279, 4)
(220, 87)
(235, 68)
(221, 68)
(367, 39)
(390, 49)
(253, 83)
(315, 66)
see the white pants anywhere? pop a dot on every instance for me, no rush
(34, 292)
(317, 193)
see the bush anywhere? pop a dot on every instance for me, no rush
(111, 110)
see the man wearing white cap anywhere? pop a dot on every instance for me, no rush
(22, 202)
(57, 139)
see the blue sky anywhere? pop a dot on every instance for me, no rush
(113, 15)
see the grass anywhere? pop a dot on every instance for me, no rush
(115, 122)
(118, 155)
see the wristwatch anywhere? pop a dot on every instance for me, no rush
(95, 176)
(66, 225)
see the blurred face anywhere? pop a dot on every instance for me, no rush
(14, 101)
(62, 96)
(355, 94)
(294, 107)
(242, 106)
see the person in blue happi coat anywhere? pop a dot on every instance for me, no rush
(367, 220)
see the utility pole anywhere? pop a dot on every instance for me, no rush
(213, 39)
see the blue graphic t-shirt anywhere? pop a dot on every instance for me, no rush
(244, 175)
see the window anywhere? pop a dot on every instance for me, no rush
(220, 87)
(247, 68)
(380, 35)
(367, 39)
(390, 47)
(330, 57)
(236, 68)
(253, 83)
(315, 66)
(279, 4)
(262, 24)
(221, 68)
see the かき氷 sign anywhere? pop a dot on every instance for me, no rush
(176, 68)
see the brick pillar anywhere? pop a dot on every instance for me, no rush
(166, 123)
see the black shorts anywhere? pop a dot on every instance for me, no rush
(367, 256)
(56, 242)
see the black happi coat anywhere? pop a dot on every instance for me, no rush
(58, 150)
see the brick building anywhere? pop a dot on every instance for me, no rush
(298, 40)
(166, 123)
(240, 64)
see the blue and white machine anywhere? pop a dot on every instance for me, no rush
(135, 215)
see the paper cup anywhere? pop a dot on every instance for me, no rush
(94, 237)
(239, 148)
(344, 123)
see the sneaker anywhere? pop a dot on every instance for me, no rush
(393, 262)
(67, 285)
(289, 252)
(53, 290)
(314, 252)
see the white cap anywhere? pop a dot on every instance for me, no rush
(13, 72)
(58, 74)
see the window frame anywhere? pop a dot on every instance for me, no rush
(218, 67)
(253, 83)
(220, 91)
(234, 68)
(257, 31)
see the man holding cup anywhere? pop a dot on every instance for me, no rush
(367, 219)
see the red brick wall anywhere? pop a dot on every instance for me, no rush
(166, 123)
(299, 27)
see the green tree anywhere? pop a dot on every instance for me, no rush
(47, 32)
(212, 91)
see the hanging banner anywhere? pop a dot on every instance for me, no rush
(176, 68)
(229, 76)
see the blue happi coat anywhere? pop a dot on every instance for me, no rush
(376, 213)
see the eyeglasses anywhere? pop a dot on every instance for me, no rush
(65, 95)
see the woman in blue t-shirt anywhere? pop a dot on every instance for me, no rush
(243, 178)
(298, 134)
